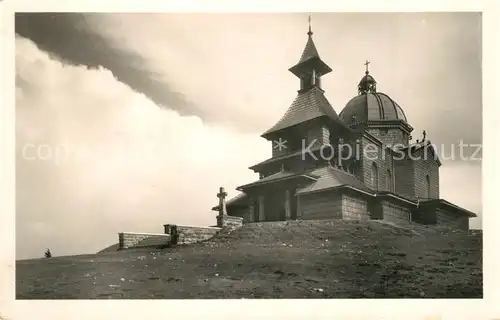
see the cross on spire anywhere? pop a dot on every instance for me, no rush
(366, 64)
(309, 20)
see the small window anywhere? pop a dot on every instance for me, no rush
(389, 182)
(427, 186)
(352, 168)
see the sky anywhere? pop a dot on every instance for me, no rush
(126, 122)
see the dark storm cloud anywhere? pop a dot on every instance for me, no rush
(69, 38)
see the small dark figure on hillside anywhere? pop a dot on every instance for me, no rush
(48, 254)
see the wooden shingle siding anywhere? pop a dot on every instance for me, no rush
(426, 214)
(299, 164)
(324, 205)
(381, 157)
(375, 209)
(389, 136)
(354, 208)
(422, 167)
(317, 136)
(389, 185)
(411, 175)
(452, 220)
(274, 206)
(403, 172)
(396, 213)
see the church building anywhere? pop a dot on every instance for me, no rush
(358, 164)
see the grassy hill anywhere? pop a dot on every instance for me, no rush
(297, 259)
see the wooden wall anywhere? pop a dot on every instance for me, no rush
(451, 219)
(425, 165)
(396, 213)
(322, 205)
(354, 208)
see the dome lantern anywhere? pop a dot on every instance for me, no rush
(367, 83)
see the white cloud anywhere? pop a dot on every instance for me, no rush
(124, 163)
(209, 57)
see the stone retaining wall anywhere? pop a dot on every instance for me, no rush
(189, 234)
(136, 240)
(229, 222)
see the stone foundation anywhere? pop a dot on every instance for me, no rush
(189, 234)
(135, 240)
(229, 222)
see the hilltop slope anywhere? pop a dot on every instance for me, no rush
(297, 259)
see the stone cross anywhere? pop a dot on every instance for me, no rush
(366, 64)
(222, 201)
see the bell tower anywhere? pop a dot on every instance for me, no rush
(310, 67)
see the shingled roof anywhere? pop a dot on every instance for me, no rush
(309, 52)
(444, 203)
(310, 60)
(279, 176)
(307, 105)
(420, 145)
(302, 153)
(332, 178)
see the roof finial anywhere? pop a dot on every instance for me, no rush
(366, 64)
(309, 33)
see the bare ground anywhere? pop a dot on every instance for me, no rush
(298, 259)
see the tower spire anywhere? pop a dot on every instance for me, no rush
(310, 67)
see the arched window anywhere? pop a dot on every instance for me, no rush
(374, 176)
(389, 182)
(427, 186)
(352, 168)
